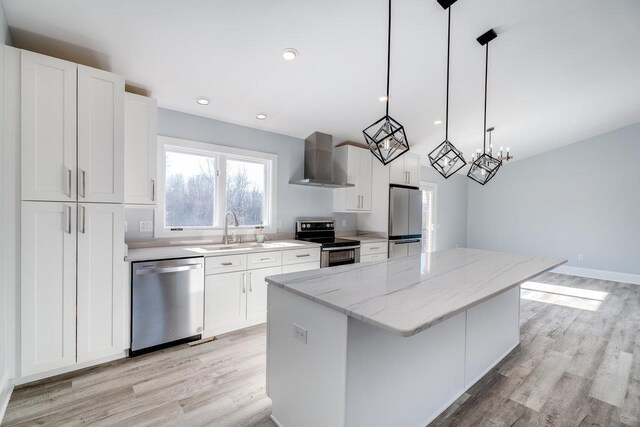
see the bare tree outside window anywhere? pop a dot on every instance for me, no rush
(246, 191)
(190, 189)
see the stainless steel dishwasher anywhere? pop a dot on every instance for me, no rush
(167, 302)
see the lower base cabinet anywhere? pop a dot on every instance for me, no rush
(238, 299)
(71, 288)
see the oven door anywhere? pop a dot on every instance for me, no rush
(331, 257)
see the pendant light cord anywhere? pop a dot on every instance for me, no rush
(388, 56)
(486, 75)
(446, 113)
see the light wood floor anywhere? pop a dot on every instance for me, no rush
(574, 367)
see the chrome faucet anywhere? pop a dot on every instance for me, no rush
(226, 225)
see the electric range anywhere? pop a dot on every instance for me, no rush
(334, 250)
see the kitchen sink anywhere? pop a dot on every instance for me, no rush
(241, 246)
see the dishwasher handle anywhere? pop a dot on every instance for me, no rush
(162, 270)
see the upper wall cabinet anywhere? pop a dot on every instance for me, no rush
(48, 128)
(405, 170)
(140, 147)
(352, 165)
(58, 98)
(100, 136)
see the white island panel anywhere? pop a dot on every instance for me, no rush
(403, 381)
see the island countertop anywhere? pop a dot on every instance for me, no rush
(407, 295)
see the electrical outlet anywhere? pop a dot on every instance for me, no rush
(146, 226)
(580, 257)
(300, 333)
(279, 222)
(344, 222)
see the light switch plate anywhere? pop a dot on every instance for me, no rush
(300, 333)
(146, 226)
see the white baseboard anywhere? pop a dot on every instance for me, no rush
(613, 276)
(6, 388)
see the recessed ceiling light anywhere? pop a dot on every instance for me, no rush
(203, 100)
(437, 122)
(289, 54)
(261, 116)
(383, 98)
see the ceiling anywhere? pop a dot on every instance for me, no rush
(559, 71)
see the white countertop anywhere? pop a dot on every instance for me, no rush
(408, 295)
(167, 252)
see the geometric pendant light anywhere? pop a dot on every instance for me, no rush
(386, 137)
(446, 158)
(485, 166)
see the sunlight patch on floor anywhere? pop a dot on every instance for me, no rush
(584, 299)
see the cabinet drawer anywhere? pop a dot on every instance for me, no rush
(264, 259)
(373, 257)
(225, 264)
(373, 248)
(297, 256)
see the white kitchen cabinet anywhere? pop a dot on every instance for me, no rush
(140, 146)
(405, 170)
(257, 293)
(353, 165)
(100, 136)
(100, 229)
(48, 127)
(225, 302)
(373, 257)
(48, 286)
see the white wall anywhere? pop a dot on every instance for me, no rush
(583, 198)
(293, 200)
(451, 227)
(5, 38)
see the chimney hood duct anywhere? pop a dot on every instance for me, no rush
(318, 162)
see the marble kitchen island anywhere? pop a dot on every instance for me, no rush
(392, 343)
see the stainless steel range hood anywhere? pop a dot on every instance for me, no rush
(318, 162)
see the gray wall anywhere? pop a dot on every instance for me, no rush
(583, 198)
(452, 208)
(293, 200)
(5, 38)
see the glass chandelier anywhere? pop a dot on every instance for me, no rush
(386, 138)
(446, 158)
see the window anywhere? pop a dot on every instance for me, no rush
(428, 216)
(200, 182)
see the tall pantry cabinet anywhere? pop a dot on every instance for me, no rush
(72, 216)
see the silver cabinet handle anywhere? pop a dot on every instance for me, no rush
(226, 263)
(406, 177)
(244, 283)
(265, 259)
(153, 190)
(68, 182)
(162, 270)
(303, 255)
(250, 288)
(84, 183)
(84, 215)
(409, 180)
(374, 247)
(68, 219)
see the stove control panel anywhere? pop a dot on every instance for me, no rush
(315, 225)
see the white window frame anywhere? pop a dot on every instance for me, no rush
(424, 185)
(221, 153)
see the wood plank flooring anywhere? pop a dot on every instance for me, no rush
(574, 367)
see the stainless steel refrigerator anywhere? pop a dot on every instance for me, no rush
(405, 221)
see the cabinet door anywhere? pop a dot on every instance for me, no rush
(48, 128)
(100, 136)
(100, 232)
(225, 302)
(397, 172)
(365, 179)
(257, 293)
(48, 286)
(352, 194)
(412, 166)
(140, 148)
